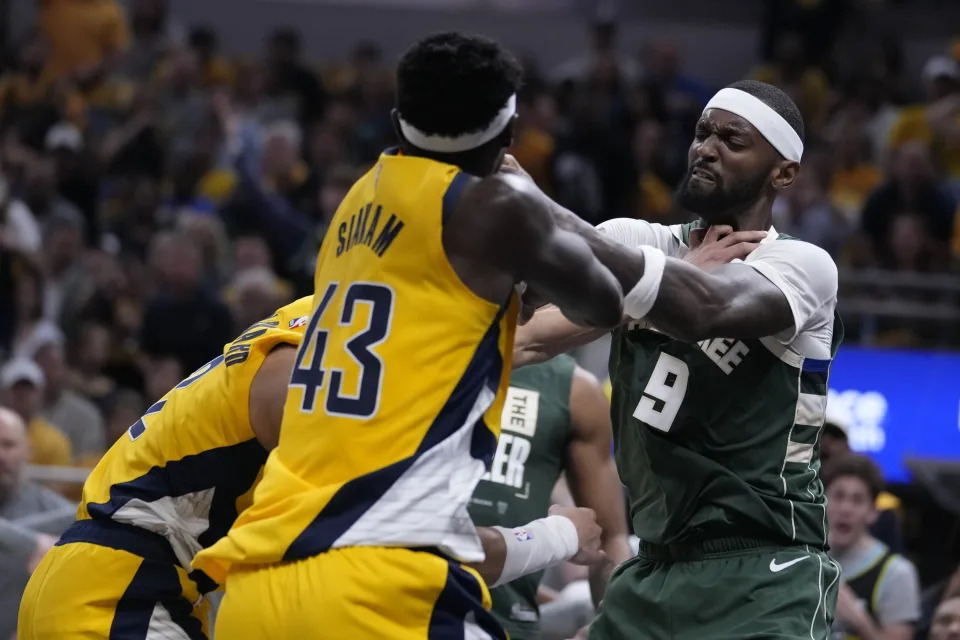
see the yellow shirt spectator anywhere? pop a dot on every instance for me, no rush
(913, 124)
(48, 445)
(533, 149)
(82, 33)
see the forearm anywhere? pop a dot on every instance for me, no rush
(548, 334)
(495, 548)
(617, 550)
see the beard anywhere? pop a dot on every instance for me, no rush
(717, 200)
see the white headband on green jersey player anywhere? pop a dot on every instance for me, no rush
(773, 127)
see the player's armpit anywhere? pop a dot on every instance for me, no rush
(268, 392)
(592, 475)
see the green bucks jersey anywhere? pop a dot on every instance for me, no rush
(721, 438)
(533, 443)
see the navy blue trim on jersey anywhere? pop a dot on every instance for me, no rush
(461, 596)
(392, 151)
(357, 496)
(814, 382)
(121, 536)
(153, 585)
(811, 364)
(229, 471)
(452, 195)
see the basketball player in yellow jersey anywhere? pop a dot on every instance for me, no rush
(360, 525)
(169, 487)
(173, 485)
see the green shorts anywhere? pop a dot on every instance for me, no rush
(724, 589)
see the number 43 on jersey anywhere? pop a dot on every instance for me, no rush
(310, 372)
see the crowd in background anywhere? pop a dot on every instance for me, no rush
(158, 196)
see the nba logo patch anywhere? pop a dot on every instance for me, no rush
(298, 322)
(522, 535)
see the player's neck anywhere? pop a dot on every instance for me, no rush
(756, 217)
(477, 164)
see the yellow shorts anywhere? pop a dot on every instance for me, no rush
(357, 593)
(84, 591)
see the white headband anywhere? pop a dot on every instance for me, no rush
(465, 142)
(768, 122)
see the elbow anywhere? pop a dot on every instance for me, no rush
(607, 310)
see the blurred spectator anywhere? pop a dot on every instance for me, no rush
(946, 620)
(805, 212)
(880, 592)
(183, 320)
(819, 22)
(935, 124)
(90, 356)
(154, 35)
(21, 389)
(654, 194)
(64, 276)
(30, 98)
(41, 197)
(163, 374)
(254, 294)
(125, 409)
(603, 53)
(63, 407)
(214, 69)
(87, 37)
(854, 176)
(20, 552)
(534, 144)
(19, 497)
(76, 171)
(806, 84)
(294, 90)
(913, 189)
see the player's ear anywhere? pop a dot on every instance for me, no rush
(510, 132)
(784, 174)
(395, 119)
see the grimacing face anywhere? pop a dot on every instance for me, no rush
(729, 165)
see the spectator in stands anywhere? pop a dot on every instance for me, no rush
(654, 188)
(20, 552)
(834, 446)
(20, 498)
(21, 389)
(76, 168)
(604, 51)
(805, 212)
(126, 407)
(806, 84)
(214, 68)
(87, 37)
(931, 599)
(880, 592)
(184, 320)
(853, 176)
(78, 418)
(914, 189)
(294, 90)
(936, 123)
(90, 354)
(946, 620)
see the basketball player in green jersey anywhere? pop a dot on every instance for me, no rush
(555, 419)
(719, 392)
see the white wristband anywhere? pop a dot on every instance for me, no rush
(639, 300)
(536, 546)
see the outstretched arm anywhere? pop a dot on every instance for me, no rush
(592, 475)
(505, 222)
(772, 293)
(568, 533)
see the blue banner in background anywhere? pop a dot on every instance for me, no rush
(897, 404)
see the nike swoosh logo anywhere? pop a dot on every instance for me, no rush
(776, 568)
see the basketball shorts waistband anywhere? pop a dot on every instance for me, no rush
(148, 545)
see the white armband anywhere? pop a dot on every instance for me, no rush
(639, 300)
(536, 546)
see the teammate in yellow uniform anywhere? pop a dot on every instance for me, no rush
(175, 485)
(360, 525)
(171, 486)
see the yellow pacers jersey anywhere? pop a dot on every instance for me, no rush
(394, 403)
(186, 468)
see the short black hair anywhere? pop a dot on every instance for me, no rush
(450, 84)
(776, 99)
(857, 466)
